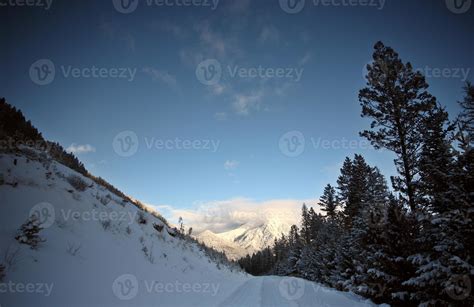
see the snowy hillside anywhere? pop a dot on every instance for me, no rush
(98, 250)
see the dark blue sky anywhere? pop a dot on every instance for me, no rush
(199, 142)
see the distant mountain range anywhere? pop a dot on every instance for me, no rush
(249, 238)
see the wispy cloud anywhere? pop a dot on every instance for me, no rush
(80, 149)
(161, 76)
(231, 165)
(305, 59)
(269, 34)
(243, 104)
(220, 116)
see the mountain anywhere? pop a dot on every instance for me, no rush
(250, 237)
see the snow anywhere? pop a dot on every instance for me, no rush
(97, 254)
(247, 239)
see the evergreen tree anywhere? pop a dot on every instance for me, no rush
(328, 202)
(396, 99)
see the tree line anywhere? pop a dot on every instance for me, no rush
(409, 245)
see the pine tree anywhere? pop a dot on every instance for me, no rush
(29, 233)
(328, 202)
(396, 100)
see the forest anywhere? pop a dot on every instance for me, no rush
(407, 242)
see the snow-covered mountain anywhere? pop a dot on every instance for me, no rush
(251, 237)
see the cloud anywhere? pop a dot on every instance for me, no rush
(231, 165)
(305, 59)
(225, 215)
(220, 116)
(269, 34)
(161, 76)
(80, 149)
(244, 103)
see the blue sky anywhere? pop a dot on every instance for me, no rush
(237, 125)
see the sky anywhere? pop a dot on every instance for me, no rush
(182, 104)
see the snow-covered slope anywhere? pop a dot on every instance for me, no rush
(95, 252)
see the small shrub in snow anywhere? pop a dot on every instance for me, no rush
(2, 181)
(148, 254)
(106, 224)
(2, 272)
(159, 228)
(141, 218)
(105, 200)
(128, 230)
(73, 249)
(29, 233)
(77, 183)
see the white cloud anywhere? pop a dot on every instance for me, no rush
(231, 165)
(80, 149)
(244, 103)
(162, 76)
(221, 216)
(305, 59)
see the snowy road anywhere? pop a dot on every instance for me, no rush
(288, 291)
